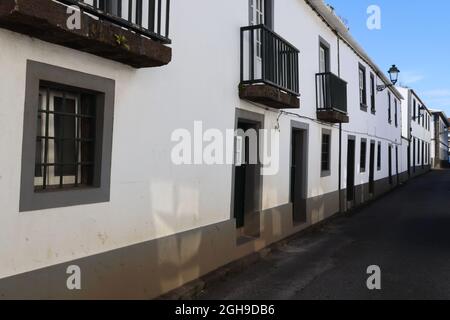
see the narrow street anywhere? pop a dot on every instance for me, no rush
(406, 233)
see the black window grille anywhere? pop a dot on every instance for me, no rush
(66, 135)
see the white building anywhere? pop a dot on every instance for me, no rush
(417, 132)
(439, 141)
(87, 123)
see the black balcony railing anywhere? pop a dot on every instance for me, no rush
(266, 58)
(149, 18)
(331, 93)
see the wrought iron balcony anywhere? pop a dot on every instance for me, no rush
(331, 98)
(269, 68)
(134, 32)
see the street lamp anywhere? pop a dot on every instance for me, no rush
(393, 75)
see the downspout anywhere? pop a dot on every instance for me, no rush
(340, 131)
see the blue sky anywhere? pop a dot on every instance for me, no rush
(414, 35)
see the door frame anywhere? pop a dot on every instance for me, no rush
(372, 150)
(300, 126)
(256, 118)
(351, 138)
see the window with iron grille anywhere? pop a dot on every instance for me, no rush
(325, 161)
(65, 142)
(363, 159)
(67, 138)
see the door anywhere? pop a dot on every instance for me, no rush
(372, 168)
(298, 193)
(390, 164)
(351, 170)
(396, 165)
(247, 178)
(409, 160)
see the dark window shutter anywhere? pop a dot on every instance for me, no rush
(268, 9)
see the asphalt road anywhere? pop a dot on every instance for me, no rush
(406, 233)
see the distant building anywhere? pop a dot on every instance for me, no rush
(440, 140)
(416, 130)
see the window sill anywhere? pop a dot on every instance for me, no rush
(324, 174)
(374, 112)
(363, 107)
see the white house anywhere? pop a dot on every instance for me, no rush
(439, 140)
(87, 122)
(417, 132)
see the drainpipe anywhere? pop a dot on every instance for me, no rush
(340, 130)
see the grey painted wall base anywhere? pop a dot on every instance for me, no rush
(150, 269)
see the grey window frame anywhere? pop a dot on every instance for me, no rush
(33, 200)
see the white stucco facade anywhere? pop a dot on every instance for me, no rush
(152, 198)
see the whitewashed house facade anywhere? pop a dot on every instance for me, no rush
(86, 123)
(417, 132)
(439, 140)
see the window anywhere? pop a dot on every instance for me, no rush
(67, 138)
(324, 66)
(362, 87)
(363, 155)
(324, 57)
(414, 110)
(257, 17)
(372, 93)
(326, 152)
(379, 157)
(65, 154)
(396, 112)
(389, 107)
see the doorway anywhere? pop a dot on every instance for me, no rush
(351, 169)
(409, 160)
(396, 165)
(247, 178)
(390, 164)
(372, 168)
(298, 175)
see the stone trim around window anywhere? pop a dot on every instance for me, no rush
(104, 89)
